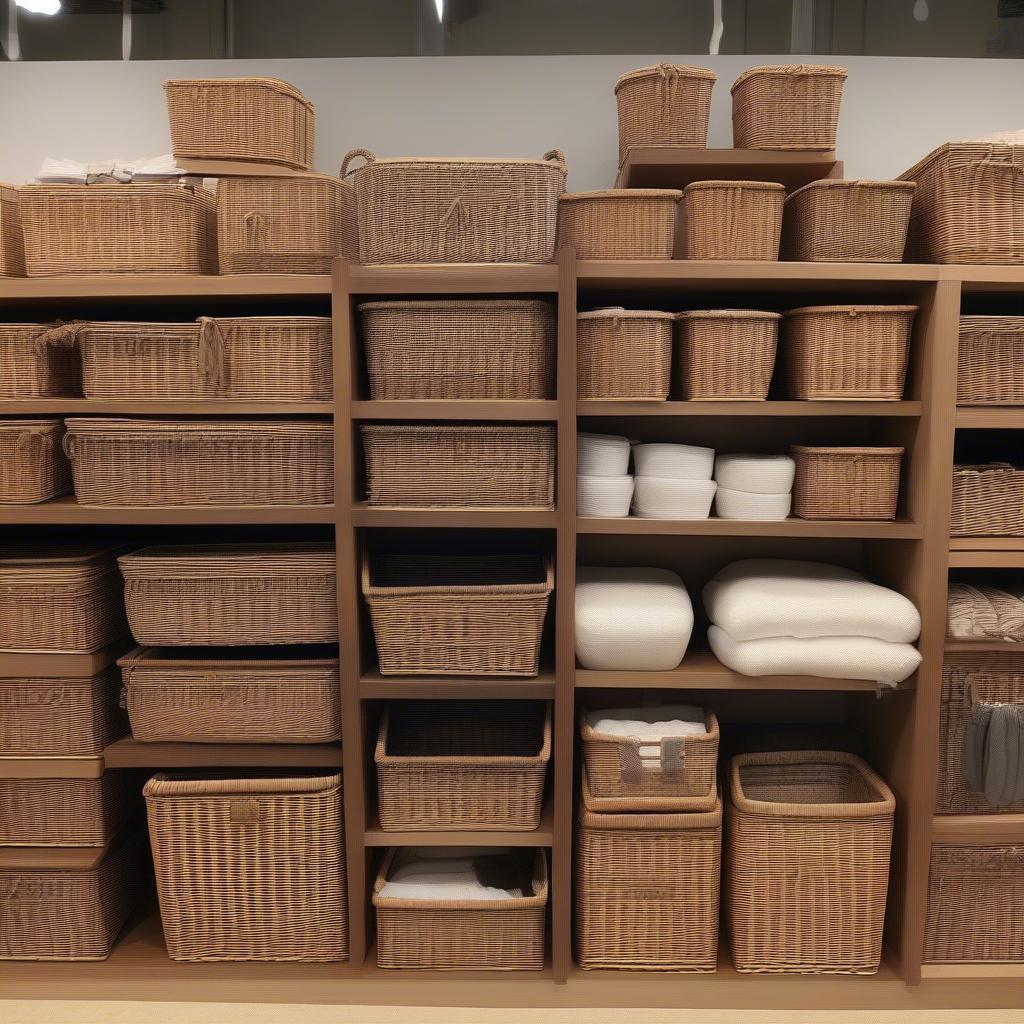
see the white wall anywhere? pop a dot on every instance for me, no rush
(895, 109)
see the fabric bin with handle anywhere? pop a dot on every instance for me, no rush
(620, 223)
(623, 355)
(29, 368)
(12, 247)
(731, 220)
(988, 501)
(32, 465)
(846, 482)
(990, 370)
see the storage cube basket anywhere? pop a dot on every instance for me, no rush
(846, 483)
(604, 496)
(32, 465)
(12, 247)
(462, 765)
(732, 220)
(623, 355)
(726, 354)
(29, 368)
(619, 224)
(250, 869)
(988, 501)
(990, 370)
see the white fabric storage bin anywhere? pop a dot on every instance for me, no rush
(602, 455)
(605, 496)
(631, 619)
(673, 461)
(657, 498)
(730, 504)
(756, 474)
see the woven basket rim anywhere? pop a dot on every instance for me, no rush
(654, 821)
(992, 323)
(276, 84)
(876, 184)
(133, 189)
(531, 305)
(170, 786)
(616, 194)
(157, 326)
(78, 555)
(143, 657)
(1009, 150)
(101, 426)
(22, 327)
(191, 552)
(449, 161)
(728, 314)
(981, 468)
(801, 449)
(542, 588)
(710, 184)
(850, 309)
(793, 71)
(620, 313)
(228, 184)
(587, 733)
(656, 71)
(456, 428)
(50, 422)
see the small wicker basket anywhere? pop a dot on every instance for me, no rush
(624, 355)
(726, 354)
(990, 370)
(619, 224)
(12, 246)
(732, 220)
(29, 368)
(846, 483)
(988, 501)
(32, 465)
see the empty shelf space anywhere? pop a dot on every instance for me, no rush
(594, 407)
(990, 418)
(481, 409)
(376, 686)
(981, 829)
(456, 518)
(541, 836)
(902, 529)
(130, 753)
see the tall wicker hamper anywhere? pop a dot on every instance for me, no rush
(990, 370)
(32, 465)
(807, 865)
(988, 501)
(31, 369)
(732, 220)
(249, 869)
(846, 482)
(462, 765)
(624, 354)
(726, 354)
(647, 889)
(468, 935)
(619, 224)
(12, 247)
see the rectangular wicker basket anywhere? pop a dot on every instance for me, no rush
(726, 354)
(249, 869)
(252, 463)
(990, 370)
(230, 695)
(619, 224)
(462, 765)
(32, 465)
(463, 466)
(809, 832)
(232, 594)
(846, 483)
(117, 229)
(32, 369)
(731, 220)
(468, 935)
(624, 355)
(12, 247)
(988, 501)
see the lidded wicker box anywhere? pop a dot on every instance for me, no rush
(731, 220)
(32, 465)
(624, 354)
(619, 223)
(846, 482)
(29, 368)
(990, 370)
(988, 501)
(12, 247)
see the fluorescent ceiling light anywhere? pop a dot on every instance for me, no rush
(40, 6)
(439, 7)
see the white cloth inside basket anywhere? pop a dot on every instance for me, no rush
(443, 874)
(654, 723)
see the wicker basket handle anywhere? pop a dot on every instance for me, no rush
(350, 156)
(67, 442)
(245, 811)
(557, 157)
(61, 335)
(671, 757)
(33, 437)
(992, 162)
(210, 351)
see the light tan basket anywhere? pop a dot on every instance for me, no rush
(232, 594)
(228, 696)
(32, 465)
(117, 229)
(428, 210)
(29, 368)
(647, 889)
(726, 354)
(619, 223)
(12, 248)
(988, 501)
(847, 353)
(846, 482)
(788, 106)
(474, 766)
(468, 935)
(834, 221)
(459, 348)
(624, 355)
(732, 220)
(990, 370)
(250, 869)
(464, 466)
(262, 119)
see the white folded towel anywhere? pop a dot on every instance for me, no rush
(434, 877)
(653, 723)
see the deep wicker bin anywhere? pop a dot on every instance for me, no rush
(250, 869)
(988, 501)
(846, 483)
(31, 369)
(32, 465)
(731, 220)
(726, 354)
(12, 247)
(990, 370)
(619, 224)
(624, 355)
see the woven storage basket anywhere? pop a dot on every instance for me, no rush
(249, 869)
(845, 353)
(280, 225)
(791, 106)
(809, 834)
(732, 220)
(975, 905)
(232, 594)
(63, 598)
(990, 370)
(470, 935)
(620, 223)
(12, 248)
(647, 888)
(847, 221)
(225, 696)
(201, 462)
(262, 119)
(32, 465)
(988, 501)
(846, 483)
(664, 105)
(457, 614)
(429, 210)
(623, 355)
(682, 780)
(726, 354)
(969, 205)
(31, 369)
(117, 229)
(441, 465)
(459, 348)
(474, 766)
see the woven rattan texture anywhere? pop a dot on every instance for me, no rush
(988, 501)
(846, 483)
(32, 465)
(726, 354)
(29, 369)
(624, 355)
(731, 220)
(990, 370)
(12, 247)
(619, 224)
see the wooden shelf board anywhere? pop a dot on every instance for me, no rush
(51, 858)
(979, 971)
(51, 767)
(130, 753)
(442, 409)
(982, 829)
(899, 530)
(986, 559)
(373, 685)
(131, 407)
(541, 836)
(986, 544)
(982, 646)
(456, 518)
(67, 510)
(452, 278)
(591, 407)
(54, 665)
(165, 286)
(984, 278)
(990, 418)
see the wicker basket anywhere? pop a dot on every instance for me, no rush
(619, 223)
(232, 594)
(249, 869)
(474, 766)
(252, 463)
(990, 370)
(975, 905)
(456, 211)
(847, 353)
(969, 205)
(117, 229)
(469, 935)
(792, 106)
(684, 779)
(225, 696)
(280, 225)
(459, 348)
(466, 466)
(732, 220)
(988, 501)
(262, 119)
(31, 369)
(833, 221)
(846, 483)
(12, 248)
(647, 888)
(664, 105)
(624, 355)
(457, 614)
(32, 466)
(807, 867)
(726, 354)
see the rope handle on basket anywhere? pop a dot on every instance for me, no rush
(63, 334)
(31, 437)
(996, 164)
(210, 351)
(557, 157)
(67, 442)
(255, 229)
(671, 757)
(350, 156)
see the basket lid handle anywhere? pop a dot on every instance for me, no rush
(350, 156)
(63, 334)
(210, 350)
(671, 757)
(557, 157)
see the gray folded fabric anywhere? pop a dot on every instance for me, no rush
(975, 745)
(1004, 755)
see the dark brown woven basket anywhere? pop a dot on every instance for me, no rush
(731, 220)
(726, 354)
(990, 370)
(32, 465)
(12, 247)
(619, 224)
(988, 501)
(846, 483)
(30, 368)
(624, 355)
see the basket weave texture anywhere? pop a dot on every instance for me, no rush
(31, 369)
(988, 501)
(619, 224)
(32, 465)
(12, 246)
(846, 483)
(732, 220)
(990, 370)
(726, 354)
(624, 355)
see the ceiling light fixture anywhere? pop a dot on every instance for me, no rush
(40, 6)
(921, 11)
(439, 7)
